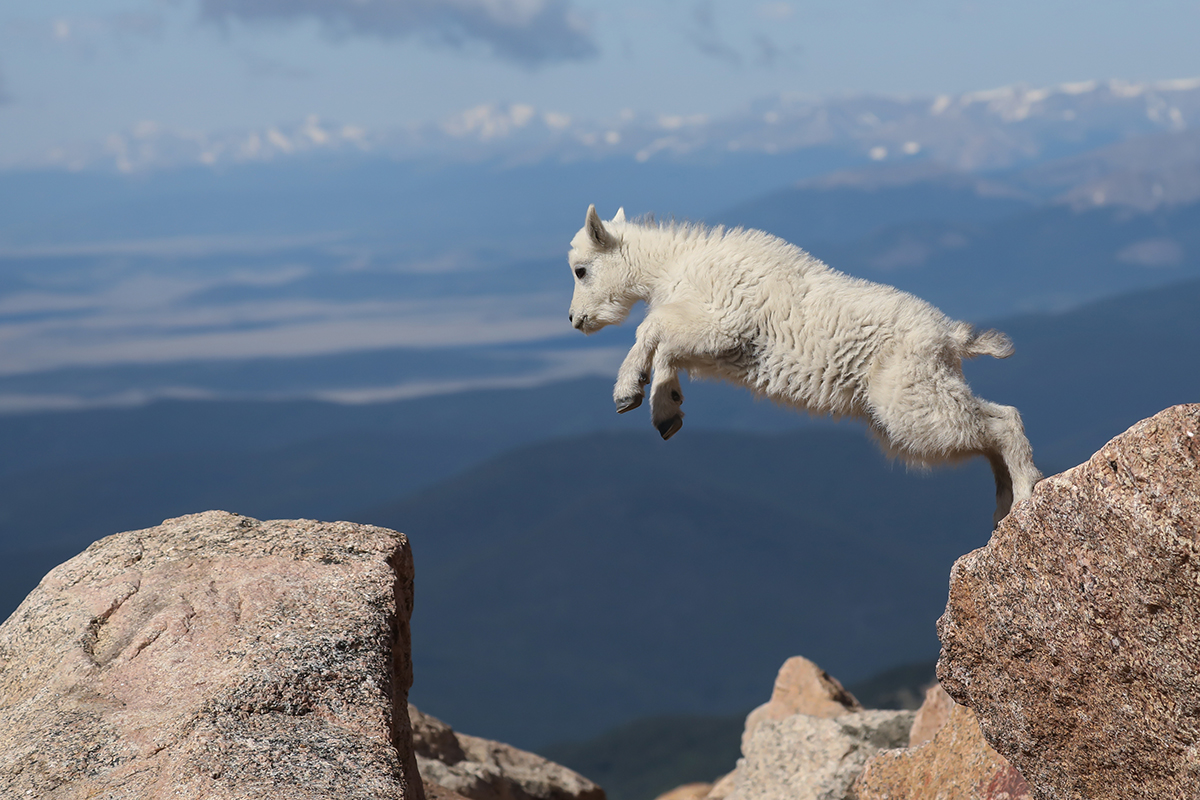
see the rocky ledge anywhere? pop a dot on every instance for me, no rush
(214, 656)
(1074, 635)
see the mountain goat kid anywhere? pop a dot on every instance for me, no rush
(747, 307)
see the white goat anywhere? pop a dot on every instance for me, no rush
(747, 307)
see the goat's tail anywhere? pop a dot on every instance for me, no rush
(988, 343)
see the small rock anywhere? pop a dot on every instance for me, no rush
(481, 769)
(931, 716)
(1074, 634)
(434, 739)
(955, 763)
(801, 687)
(803, 757)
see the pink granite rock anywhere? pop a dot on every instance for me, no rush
(956, 763)
(482, 769)
(801, 687)
(931, 716)
(803, 757)
(809, 740)
(214, 656)
(1074, 634)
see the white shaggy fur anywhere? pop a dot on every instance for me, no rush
(749, 308)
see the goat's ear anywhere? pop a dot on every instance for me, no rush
(599, 234)
(620, 217)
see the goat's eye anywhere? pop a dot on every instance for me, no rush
(580, 272)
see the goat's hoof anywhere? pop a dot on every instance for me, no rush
(669, 427)
(628, 404)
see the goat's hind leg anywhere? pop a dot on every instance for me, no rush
(1011, 457)
(1004, 487)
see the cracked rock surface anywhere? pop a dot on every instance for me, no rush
(214, 656)
(1074, 635)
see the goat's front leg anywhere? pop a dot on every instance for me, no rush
(635, 369)
(633, 376)
(664, 340)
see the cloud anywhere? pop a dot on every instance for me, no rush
(706, 39)
(770, 55)
(145, 321)
(528, 32)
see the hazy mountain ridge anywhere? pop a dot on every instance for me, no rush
(987, 129)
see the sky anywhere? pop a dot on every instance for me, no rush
(77, 71)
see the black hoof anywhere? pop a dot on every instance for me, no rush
(669, 427)
(628, 404)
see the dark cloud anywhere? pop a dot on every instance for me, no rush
(768, 51)
(705, 38)
(771, 55)
(529, 32)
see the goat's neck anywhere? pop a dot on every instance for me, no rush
(653, 254)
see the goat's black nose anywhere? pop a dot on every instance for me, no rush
(570, 317)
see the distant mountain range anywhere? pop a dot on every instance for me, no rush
(992, 129)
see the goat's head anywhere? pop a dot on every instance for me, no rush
(604, 286)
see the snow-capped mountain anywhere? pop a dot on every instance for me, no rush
(984, 130)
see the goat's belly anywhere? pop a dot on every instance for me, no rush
(819, 390)
(784, 379)
(720, 371)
